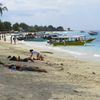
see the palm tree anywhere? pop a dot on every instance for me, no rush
(2, 9)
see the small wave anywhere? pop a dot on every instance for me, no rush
(68, 51)
(96, 55)
(75, 53)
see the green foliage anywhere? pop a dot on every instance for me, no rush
(16, 27)
(1, 26)
(24, 27)
(60, 28)
(7, 26)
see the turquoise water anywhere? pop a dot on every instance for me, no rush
(90, 50)
(37, 40)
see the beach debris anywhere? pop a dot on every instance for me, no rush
(48, 63)
(75, 91)
(46, 52)
(93, 73)
(1, 62)
(62, 64)
(69, 73)
(61, 68)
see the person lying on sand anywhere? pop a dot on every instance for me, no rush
(14, 58)
(23, 68)
(37, 54)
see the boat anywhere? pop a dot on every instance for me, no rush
(82, 31)
(69, 40)
(26, 37)
(32, 38)
(36, 39)
(93, 33)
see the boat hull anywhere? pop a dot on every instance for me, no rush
(74, 43)
(90, 40)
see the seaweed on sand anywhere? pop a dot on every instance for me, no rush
(47, 52)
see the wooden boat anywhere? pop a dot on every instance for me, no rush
(69, 40)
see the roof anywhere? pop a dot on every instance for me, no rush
(76, 36)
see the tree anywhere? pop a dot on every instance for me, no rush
(36, 28)
(2, 26)
(45, 28)
(50, 28)
(24, 26)
(7, 26)
(2, 9)
(60, 28)
(16, 27)
(31, 29)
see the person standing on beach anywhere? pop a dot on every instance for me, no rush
(0, 36)
(11, 39)
(4, 37)
(14, 39)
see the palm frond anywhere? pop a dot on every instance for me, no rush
(1, 11)
(4, 8)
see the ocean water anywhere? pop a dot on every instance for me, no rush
(90, 51)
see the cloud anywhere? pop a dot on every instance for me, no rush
(64, 12)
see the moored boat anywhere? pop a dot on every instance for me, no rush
(69, 40)
(93, 33)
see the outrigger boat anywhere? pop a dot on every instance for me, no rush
(69, 40)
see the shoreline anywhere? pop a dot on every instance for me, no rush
(65, 53)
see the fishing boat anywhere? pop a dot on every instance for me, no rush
(69, 40)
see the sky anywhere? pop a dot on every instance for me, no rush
(76, 14)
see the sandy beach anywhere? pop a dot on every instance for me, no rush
(67, 78)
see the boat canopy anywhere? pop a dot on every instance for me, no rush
(76, 36)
